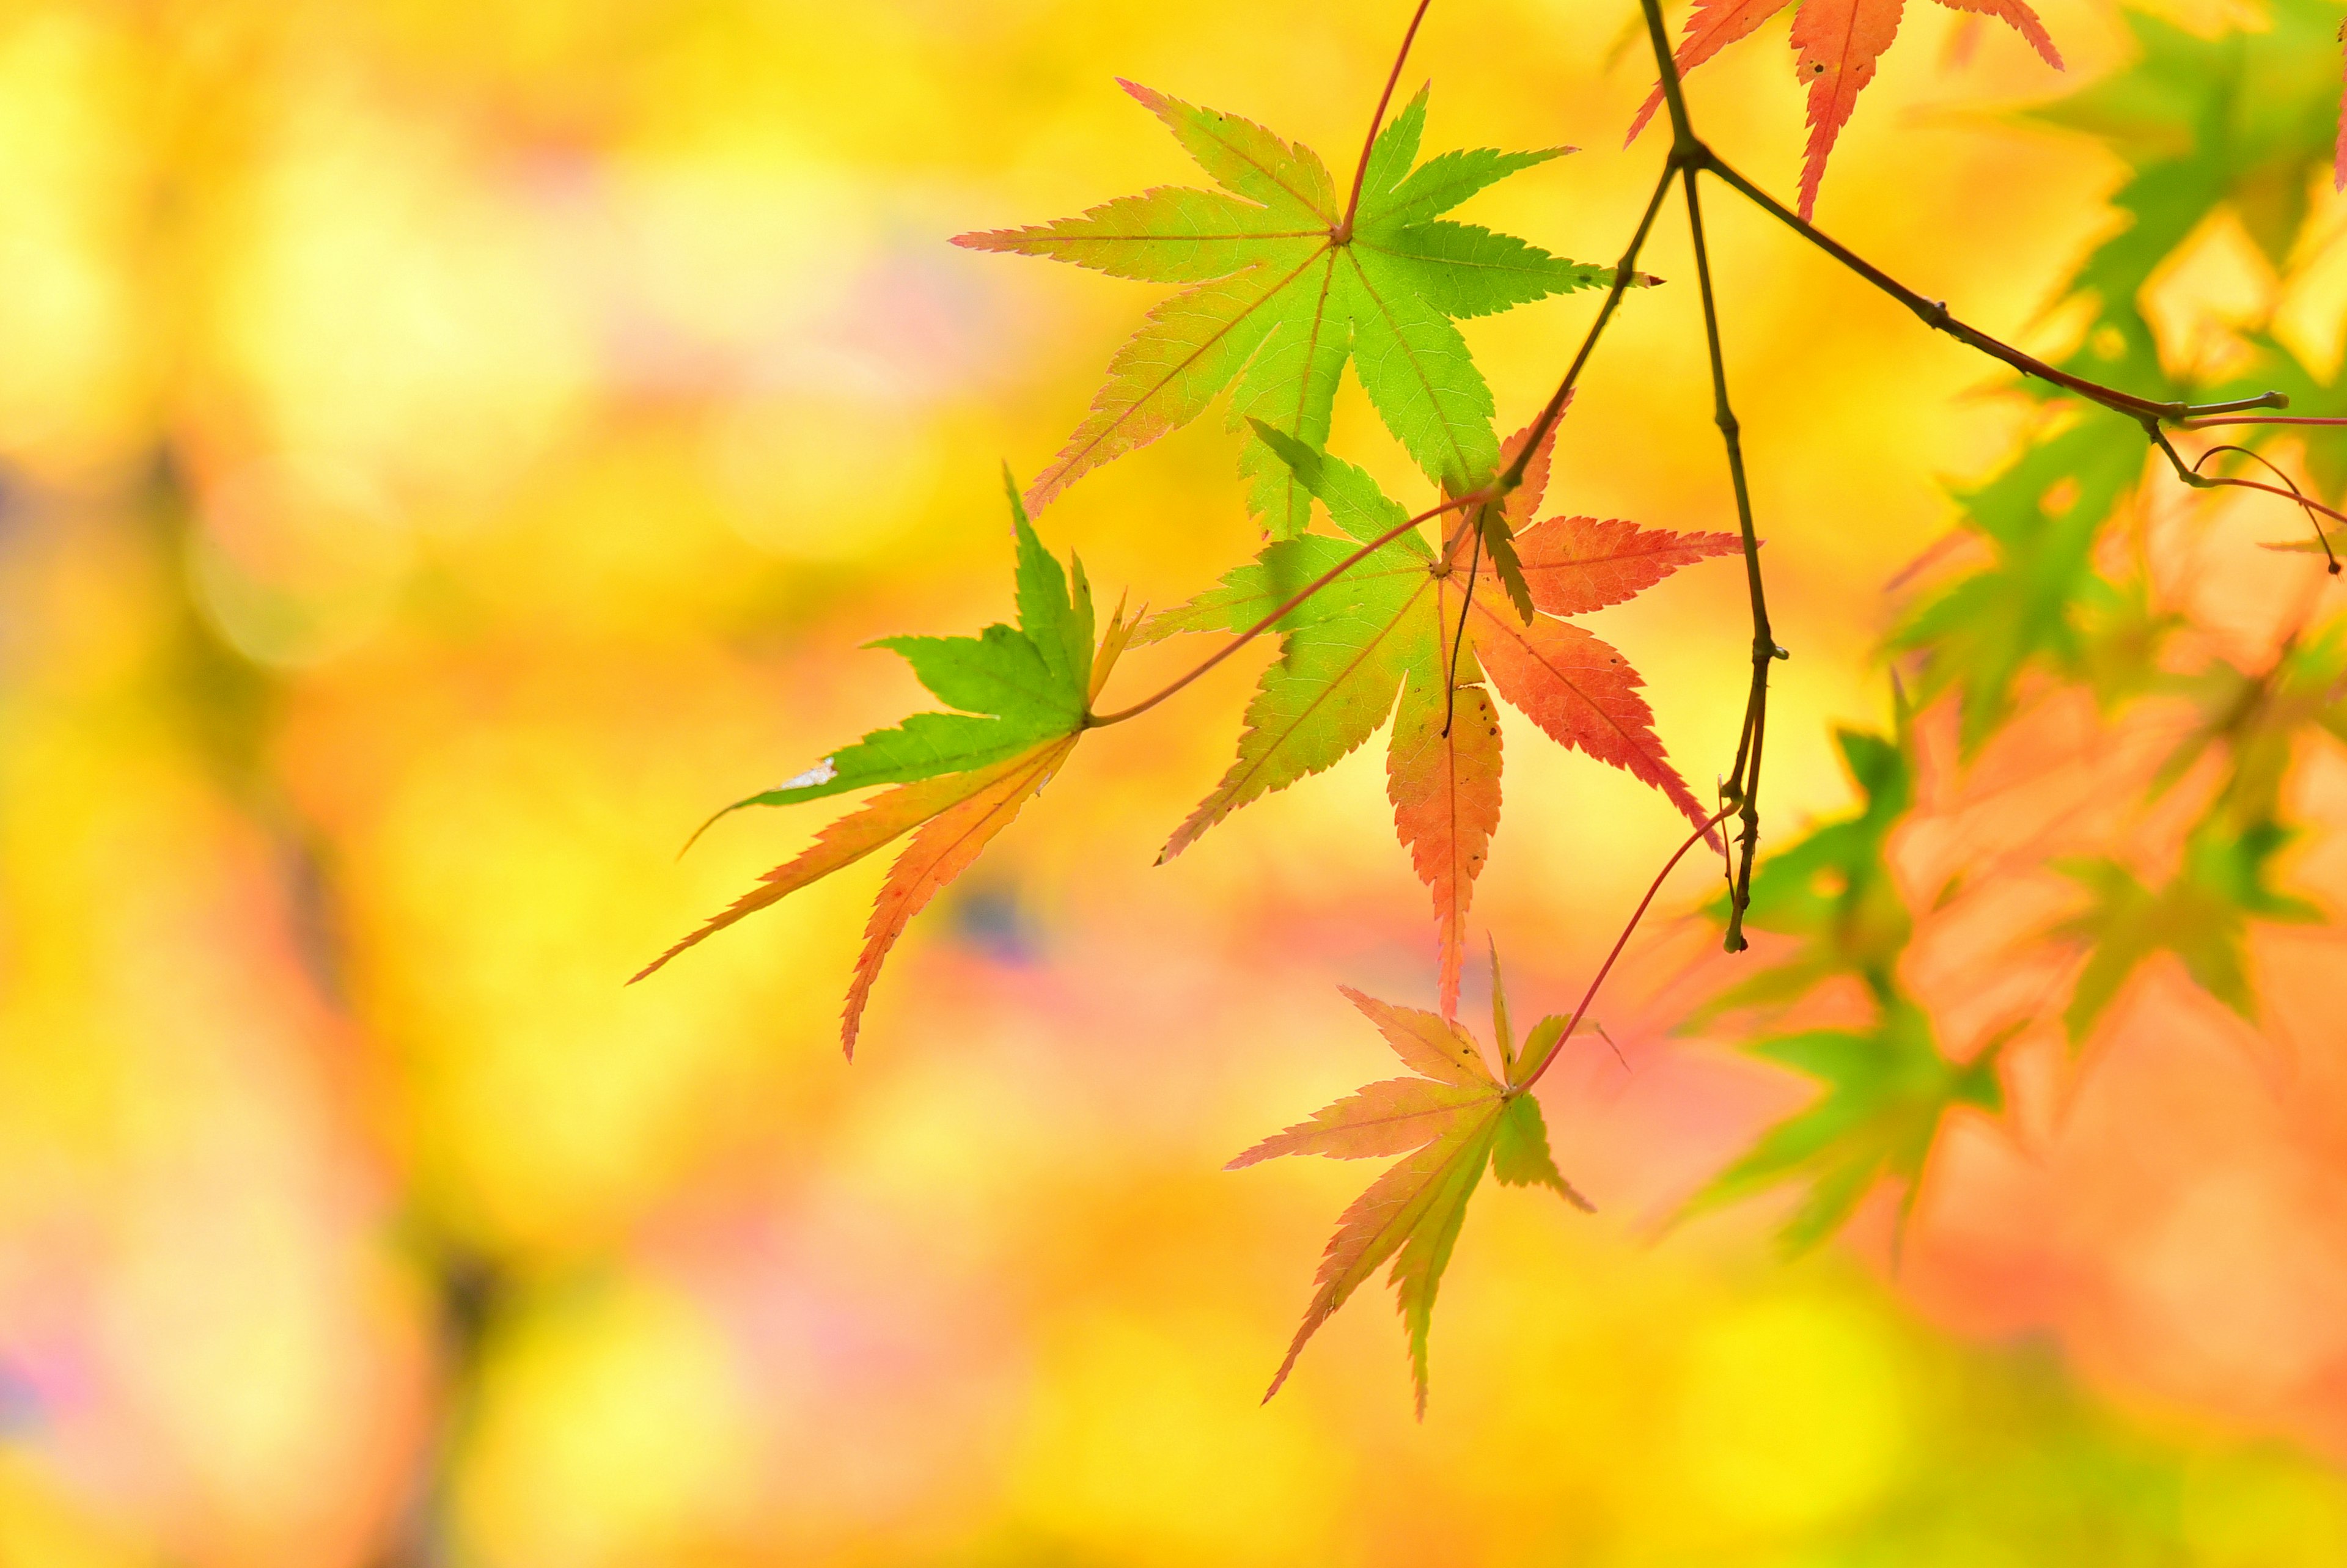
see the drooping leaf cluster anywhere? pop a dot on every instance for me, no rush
(1290, 282)
(1286, 280)
(1431, 620)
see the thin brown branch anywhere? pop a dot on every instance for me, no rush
(1102, 720)
(1686, 147)
(2190, 473)
(1744, 783)
(1549, 414)
(1376, 122)
(2234, 482)
(2305, 503)
(1936, 314)
(1688, 154)
(1623, 941)
(1458, 642)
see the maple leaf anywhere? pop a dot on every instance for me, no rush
(1888, 1088)
(1449, 1122)
(1839, 43)
(1284, 294)
(2201, 915)
(1386, 630)
(1025, 693)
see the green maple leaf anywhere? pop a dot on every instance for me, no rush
(1449, 1122)
(2201, 915)
(1888, 1089)
(1380, 639)
(1283, 294)
(1025, 695)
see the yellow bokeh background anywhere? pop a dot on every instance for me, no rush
(446, 449)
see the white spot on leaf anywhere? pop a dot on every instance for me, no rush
(822, 772)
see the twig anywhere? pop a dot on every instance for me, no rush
(2191, 474)
(1935, 314)
(1102, 720)
(1466, 603)
(1688, 154)
(2320, 537)
(1623, 941)
(1514, 475)
(1343, 231)
(1744, 783)
(2265, 419)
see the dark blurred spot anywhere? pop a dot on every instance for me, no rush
(315, 925)
(991, 920)
(470, 1288)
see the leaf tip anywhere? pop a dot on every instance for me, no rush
(1279, 1378)
(1018, 503)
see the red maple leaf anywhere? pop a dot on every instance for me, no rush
(1839, 42)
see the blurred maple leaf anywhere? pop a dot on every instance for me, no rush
(2241, 121)
(1450, 1120)
(2257, 719)
(1888, 1088)
(2040, 601)
(2201, 915)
